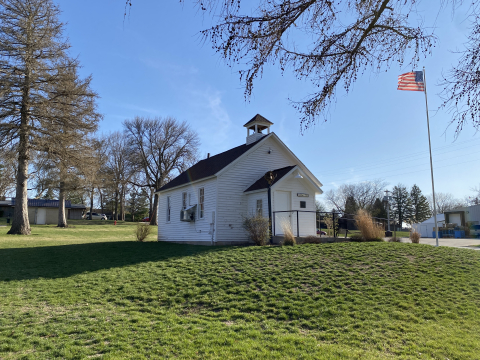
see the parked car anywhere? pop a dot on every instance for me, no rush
(146, 219)
(320, 232)
(95, 216)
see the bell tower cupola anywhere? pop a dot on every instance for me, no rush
(256, 127)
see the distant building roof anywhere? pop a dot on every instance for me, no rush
(262, 182)
(50, 203)
(208, 167)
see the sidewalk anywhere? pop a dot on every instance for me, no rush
(458, 243)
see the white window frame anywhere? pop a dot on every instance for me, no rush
(201, 203)
(184, 200)
(259, 209)
(169, 213)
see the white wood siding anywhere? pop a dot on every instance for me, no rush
(306, 220)
(177, 230)
(233, 203)
(252, 203)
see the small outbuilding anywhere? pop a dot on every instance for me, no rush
(43, 211)
(207, 203)
(426, 228)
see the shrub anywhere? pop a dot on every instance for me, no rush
(142, 231)
(369, 230)
(311, 239)
(415, 237)
(356, 238)
(288, 238)
(394, 239)
(257, 227)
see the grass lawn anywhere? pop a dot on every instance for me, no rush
(90, 291)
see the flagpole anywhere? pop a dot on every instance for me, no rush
(431, 162)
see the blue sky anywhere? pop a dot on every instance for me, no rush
(152, 63)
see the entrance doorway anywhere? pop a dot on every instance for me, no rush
(282, 203)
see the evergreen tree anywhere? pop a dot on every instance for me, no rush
(401, 204)
(351, 206)
(420, 206)
(378, 209)
(33, 61)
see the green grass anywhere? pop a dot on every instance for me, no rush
(90, 291)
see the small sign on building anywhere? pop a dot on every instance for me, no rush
(302, 195)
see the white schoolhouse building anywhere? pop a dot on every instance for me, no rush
(206, 204)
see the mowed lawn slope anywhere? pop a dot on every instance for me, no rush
(92, 292)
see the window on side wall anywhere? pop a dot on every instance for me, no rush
(168, 208)
(201, 203)
(184, 200)
(303, 204)
(259, 207)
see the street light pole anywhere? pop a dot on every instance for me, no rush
(270, 177)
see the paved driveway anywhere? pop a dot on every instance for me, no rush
(460, 243)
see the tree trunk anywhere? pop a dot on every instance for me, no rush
(122, 205)
(116, 205)
(150, 202)
(91, 204)
(62, 220)
(101, 200)
(20, 223)
(153, 217)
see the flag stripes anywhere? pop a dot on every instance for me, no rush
(412, 81)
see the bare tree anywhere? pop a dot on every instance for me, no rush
(444, 202)
(119, 167)
(345, 38)
(163, 148)
(32, 60)
(7, 170)
(461, 93)
(362, 194)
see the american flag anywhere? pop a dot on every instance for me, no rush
(412, 81)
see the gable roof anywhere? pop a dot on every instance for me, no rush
(262, 182)
(209, 167)
(258, 117)
(49, 203)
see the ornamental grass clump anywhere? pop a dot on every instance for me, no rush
(368, 228)
(288, 238)
(415, 237)
(142, 231)
(257, 228)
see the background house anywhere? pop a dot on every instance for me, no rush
(41, 211)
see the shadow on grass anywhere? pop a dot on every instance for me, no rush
(67, 260)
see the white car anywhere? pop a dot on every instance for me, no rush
(95, 216)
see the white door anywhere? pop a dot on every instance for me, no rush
(282, 203)
(455, 219)
(423, 231)
(41, 216)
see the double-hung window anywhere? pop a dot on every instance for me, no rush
(168, 208)
(259, 207)
(201, 202)
(184, 201)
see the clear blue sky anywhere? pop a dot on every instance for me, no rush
(152, 63)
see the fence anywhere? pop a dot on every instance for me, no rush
(305, 223)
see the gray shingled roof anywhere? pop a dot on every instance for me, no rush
(208, 167)
(263, 184)
(50, 203)
(258, 117)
